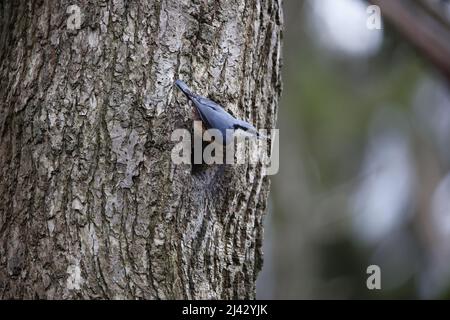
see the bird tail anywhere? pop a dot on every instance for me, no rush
(184, 88)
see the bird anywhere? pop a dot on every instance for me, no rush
(214, 116)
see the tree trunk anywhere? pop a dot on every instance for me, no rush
(91, 205)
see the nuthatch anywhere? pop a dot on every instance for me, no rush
(215, 117)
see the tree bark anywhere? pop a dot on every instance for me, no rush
(91, 205)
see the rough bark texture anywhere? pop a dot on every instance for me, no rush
(91, 205)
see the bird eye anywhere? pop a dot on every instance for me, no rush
(237, 126)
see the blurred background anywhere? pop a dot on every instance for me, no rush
(364, 157)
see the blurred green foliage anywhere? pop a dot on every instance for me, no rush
(329, 101)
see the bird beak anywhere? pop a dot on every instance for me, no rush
(261, 136)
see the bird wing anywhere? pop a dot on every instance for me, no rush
(213, 114)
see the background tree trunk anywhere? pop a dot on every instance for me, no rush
(90, 204)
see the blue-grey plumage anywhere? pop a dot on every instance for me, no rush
(214, 116)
